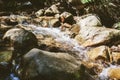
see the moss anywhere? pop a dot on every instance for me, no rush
(5, 55)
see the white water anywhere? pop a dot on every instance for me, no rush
(61, 37)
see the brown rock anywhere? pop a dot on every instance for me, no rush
(99, 53)
(114, 73)
(116, 57)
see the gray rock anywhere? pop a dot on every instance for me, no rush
(38, 64)
(21, 40)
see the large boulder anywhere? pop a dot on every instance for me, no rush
(94, 36)
(39, 64)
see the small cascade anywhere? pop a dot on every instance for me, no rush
(61, 37)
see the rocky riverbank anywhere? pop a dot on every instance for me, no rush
(53, 44)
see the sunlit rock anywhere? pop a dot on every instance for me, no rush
(99, 53)
(94, 36)
(89, 20)
(116, 57)
(51, 11)
(114, 73)
(38, 64)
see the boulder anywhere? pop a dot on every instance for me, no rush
(39, 64)
(89, 20)
(94, 36)
(20, 39)
(99, 53)
(51, 11)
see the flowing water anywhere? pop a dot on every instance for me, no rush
(61, 37)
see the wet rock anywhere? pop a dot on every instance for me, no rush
(89, 20)
(55, 23)
(99, 53)
(40, 13)
(38, 64)
(21, 40)
(116, 57)
(94, 36)
(67, 17)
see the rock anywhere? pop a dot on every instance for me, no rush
(114, 73)
(92, 68)
(21, 40)
(99, 53)
(116, 26)
(94, 36)
(75, 30)
(38, 64)
(51, 11)
(55, 23)
(67, 17)
(40, 13)
(65, 26)
(116, 57)
(89, 20)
